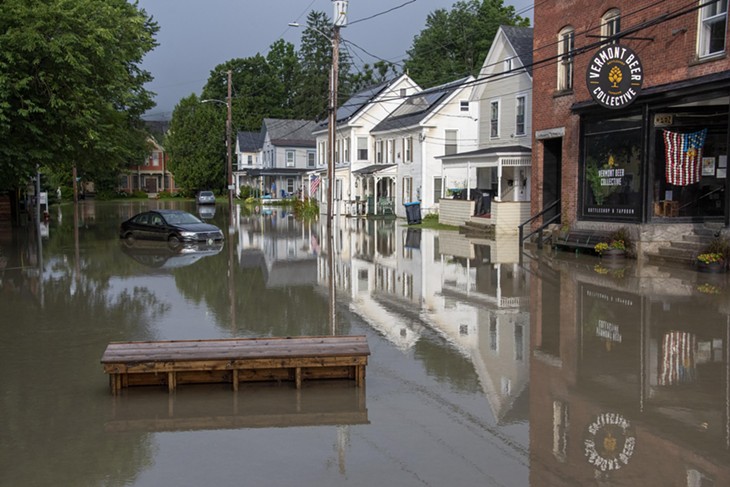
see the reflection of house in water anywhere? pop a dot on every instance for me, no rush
(405, 279)
(281, 246)
(630, 379)
(476, 295)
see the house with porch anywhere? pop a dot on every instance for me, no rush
(287, 153)
(363, 184)
(152, 175)
(433, 122)
(248, 159)
(491, 183)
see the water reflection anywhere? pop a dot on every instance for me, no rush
(159, 255)
(630, 379)
(560, 370)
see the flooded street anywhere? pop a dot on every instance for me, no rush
(486, 369)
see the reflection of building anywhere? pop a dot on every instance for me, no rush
(275, 241)
(629, 381)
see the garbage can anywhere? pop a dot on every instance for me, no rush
(413, 212)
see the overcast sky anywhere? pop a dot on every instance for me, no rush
(196, 35)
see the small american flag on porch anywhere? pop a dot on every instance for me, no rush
(313, 185)
(684, 156)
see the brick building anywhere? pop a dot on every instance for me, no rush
(630, 113)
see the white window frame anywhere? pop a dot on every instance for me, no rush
(438, 184)
(449, 147)
(566, 64)
(407, 189)
(509, 64)
(291, 158)
(709, 18)
(310, 158)
(494, 115)
(249, 159)
(464, 105)
(611, 25)
(519, 98)
(379, 151)
(362, 148)
(407, 149)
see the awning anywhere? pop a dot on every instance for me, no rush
(372, 169)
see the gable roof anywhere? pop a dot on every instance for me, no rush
(521, 40)
(419, 105)
(291, 133)
(249, 141)
(357, 102)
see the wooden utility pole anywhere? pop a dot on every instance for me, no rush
(229, 128)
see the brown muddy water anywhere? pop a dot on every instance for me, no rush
(487, 367)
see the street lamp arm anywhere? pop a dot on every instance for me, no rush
(213, 100)
(326, 36)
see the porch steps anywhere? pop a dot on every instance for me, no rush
(472, 229)
(684, 252)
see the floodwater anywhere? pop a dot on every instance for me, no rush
(487, 367)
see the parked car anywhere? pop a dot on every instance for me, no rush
(172, 226)
(206, 198)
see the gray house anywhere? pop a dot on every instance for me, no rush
(287, 153)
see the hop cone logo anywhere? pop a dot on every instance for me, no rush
(615, 76)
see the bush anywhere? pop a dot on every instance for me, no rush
(718, 246)
(307, 209)
(167, 195)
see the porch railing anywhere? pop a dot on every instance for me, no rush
(539, 230)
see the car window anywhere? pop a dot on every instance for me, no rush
(206, 193)
(157, 220)
(142, 219)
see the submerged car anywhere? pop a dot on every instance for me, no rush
(173, 226)
(206, 198)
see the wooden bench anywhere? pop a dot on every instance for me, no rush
(235, 360)
(581, 239)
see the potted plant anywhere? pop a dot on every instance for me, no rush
(714, 257)
(617, 245)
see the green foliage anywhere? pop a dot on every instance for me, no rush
(166, 195)
(456, 42)
(718, 245)
(71, 86)
(307, 209)
(196, 145)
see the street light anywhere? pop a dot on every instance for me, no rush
(229, 123)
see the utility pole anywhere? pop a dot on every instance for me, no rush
(229, 128)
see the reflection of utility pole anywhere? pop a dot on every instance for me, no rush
(339, 19)
(229, 129)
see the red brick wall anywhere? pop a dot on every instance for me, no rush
(670, 57)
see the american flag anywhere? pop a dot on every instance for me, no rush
(313, 185)
(678, 358)
(684, 156)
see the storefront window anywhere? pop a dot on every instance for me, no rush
(611, 172)
(691, 162)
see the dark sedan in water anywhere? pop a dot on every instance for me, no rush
(172, 226)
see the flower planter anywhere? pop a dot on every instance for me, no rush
(711, 267)
(613, 254)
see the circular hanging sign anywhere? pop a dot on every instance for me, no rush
(609, 442)
(614, 76)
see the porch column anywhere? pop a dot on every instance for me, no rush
(375, 197)
(468, 179)
(499, 181)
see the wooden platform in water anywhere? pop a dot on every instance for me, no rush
(235, 360)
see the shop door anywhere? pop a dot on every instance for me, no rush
(552, 164)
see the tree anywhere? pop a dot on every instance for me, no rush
(315, 58)
(196, 145)
(71, 87)
(455, 43)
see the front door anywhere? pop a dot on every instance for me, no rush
(551, 167)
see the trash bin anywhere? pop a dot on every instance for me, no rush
(413, 212)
